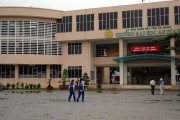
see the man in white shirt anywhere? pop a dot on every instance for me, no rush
(152, 83)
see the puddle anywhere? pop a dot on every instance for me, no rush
(3, 98)
(163, 100)
(56, 100)
(99, 90)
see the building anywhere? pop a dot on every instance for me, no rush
(114, 44)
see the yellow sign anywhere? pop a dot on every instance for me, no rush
(108, 34)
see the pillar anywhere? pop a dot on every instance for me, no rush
(173, 64)
(106, 75)
(121, 64)
(47, 73)
(16, 74)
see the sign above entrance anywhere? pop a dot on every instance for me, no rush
(145, 49)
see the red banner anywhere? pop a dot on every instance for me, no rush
(145, 49)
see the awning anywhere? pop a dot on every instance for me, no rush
(146, 56)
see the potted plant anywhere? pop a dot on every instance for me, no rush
(86, 80)
(64, 79)
(17, 85)
(26, 86)
(38, 86)
(22, 85)
(49, 87)
(8, 86)
(13, 86)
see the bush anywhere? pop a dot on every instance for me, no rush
(13, 86)
(8, 85)
(38, 86)
(30, 85)
(22, 85)
(34, 86)
(26, 86)
(17, 85)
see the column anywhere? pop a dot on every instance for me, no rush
(47, 73)
(173, 64)
(16, 74)
(121, 64)
(106, 75)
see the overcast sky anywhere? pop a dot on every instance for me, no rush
(71, 4)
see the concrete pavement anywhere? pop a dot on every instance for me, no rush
(107, 105)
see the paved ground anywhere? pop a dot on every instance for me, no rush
(107, 105)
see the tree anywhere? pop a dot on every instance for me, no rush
(167, 37)
(49, 87)
(86, 78)
(64, 78)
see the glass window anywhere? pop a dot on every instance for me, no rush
(132, 19)
(85, 22)
(55, 71)
(158, 16)
(7, 71)
(74, 48)
(32, 71)
(108, 21)
(177, 15)
(64, 24)
(75, 71)
(29, 37)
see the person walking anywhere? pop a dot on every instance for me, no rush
(80, 90)
(71, 91)
(152, 83)
(161, 85)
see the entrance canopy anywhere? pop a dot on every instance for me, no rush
(145, 56)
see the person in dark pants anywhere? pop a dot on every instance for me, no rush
(71, 91)
(152, 83)
(80, 90)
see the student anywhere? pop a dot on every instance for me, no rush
(80, 90)
(71, 91)
(152, 83)
(161, 85)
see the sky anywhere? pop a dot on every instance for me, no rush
(67, 5)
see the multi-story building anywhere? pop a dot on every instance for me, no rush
(114, 44)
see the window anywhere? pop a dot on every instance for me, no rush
(158, 16)
(55, 71)
(132, 19)
(74, 48)
(177, 15)
(108, 21)
(75, 71)
(29, 37)
(32, 71)
(64, 24)
(85, 22)
(7, 71)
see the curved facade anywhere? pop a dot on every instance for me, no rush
(38, 43)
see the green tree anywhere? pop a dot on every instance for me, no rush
(86, 78)
(64, 78)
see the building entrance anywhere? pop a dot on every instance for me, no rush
(142, 75)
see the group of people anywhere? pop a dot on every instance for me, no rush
(161, 86)
(80, 90)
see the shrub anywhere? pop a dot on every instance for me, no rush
(30, 85)
(26, 86)
(38, 86)
(8, 85)
(17, 85)
(34, 86)
(13, 86)
(22, 85)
